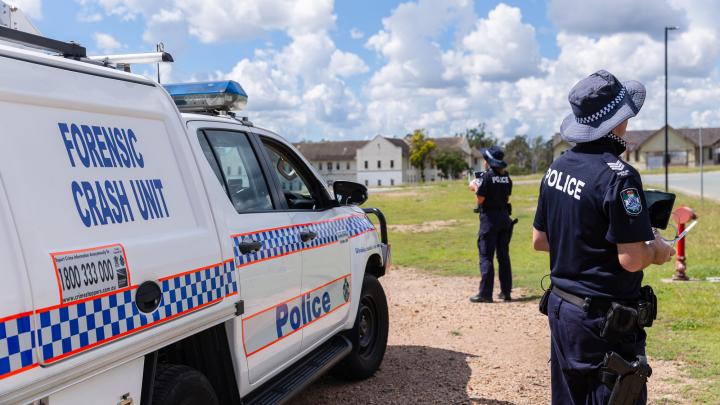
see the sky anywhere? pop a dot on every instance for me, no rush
(347, 69)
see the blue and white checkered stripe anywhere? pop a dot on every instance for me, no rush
(603, 111)
(70, 329)
(359, 224)
(17, 343)
(283, 241)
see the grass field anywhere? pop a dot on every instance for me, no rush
(688, 325)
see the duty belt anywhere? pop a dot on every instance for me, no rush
(588, 304)
(620, 317)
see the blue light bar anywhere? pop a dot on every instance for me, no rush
(224, 95)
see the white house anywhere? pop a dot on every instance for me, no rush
(334, 160)
(381, 161)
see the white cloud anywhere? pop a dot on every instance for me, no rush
(612, 16)
(346, 64)
(106, 42)
(423, 85)
(89, 18)
(356, 34)
(441, 66)
(493, 72)
(500, 47)
(31, 8)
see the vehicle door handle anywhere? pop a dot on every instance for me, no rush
(307, 236)
(249, 246)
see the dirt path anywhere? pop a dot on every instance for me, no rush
(444, 350)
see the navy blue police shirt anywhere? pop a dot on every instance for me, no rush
(590, 200)
(496, 187)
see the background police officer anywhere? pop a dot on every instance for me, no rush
(492, 189)
(592, 218)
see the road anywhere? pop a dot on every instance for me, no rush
(688, 183)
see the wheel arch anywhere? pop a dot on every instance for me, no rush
(375, 266)
(208, 352)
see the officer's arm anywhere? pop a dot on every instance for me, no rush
(630, 225)
(480, 199)
(639, 255)
(540, 241)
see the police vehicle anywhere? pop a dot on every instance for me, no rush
(156, 249)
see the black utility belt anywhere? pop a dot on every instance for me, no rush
(620, 317)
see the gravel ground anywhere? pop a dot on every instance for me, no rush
(444, 350)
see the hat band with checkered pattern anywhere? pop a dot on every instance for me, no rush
(605, 110)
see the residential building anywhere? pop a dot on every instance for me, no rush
(381, 161)
(384, 161)
(335, 160)
(646, 147)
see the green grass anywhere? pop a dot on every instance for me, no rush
(688, 324)
(681, 169)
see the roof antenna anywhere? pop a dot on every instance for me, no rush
(160, 47)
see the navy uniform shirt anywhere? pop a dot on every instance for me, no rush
(496, 188)
(590, 201)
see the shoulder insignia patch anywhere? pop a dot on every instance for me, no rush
(631, 201)
(616, 166)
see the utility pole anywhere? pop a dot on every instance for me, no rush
(666, 157)
(702, 153)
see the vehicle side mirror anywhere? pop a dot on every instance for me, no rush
(349, 193)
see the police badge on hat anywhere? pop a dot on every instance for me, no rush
(631, 201)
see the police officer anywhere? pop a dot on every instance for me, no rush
(592, 218)
(492, 189)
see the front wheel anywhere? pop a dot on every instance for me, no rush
(182, 385)
(369, 334)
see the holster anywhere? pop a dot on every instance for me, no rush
(544, 301)
(626, 379)
(623, 319)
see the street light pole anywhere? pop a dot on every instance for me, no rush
(666, 157)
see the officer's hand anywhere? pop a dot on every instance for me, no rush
(663, 250)
(473, 186)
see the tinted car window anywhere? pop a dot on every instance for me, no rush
(238, 169)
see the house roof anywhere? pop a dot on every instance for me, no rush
(635, 139)
(710, 136)
(450, 142)
(327, 150)
(401, 143)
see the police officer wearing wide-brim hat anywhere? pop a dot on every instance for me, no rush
(492, 189)
(593, 219)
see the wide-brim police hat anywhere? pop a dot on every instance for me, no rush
(494, 156)
(600, 103)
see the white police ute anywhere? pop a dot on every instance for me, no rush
(155, 249)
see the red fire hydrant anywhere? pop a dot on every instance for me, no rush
(682, 216)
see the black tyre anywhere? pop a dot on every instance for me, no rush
(182, 385)
(369, 335)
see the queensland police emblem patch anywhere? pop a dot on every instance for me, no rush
(346, 291)
(631, 201)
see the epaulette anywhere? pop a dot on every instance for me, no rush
(617, 165)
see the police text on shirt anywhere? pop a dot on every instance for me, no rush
(564, 183)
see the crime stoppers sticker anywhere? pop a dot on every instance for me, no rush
(90, 272)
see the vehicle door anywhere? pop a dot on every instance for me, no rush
(322, 227)
(254, 232)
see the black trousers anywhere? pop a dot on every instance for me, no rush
(577, 352)
(494, 237)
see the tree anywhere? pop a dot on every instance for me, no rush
(541, 152)
(450, 163)
(518, 155)
(420, 148)
(478, 138)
